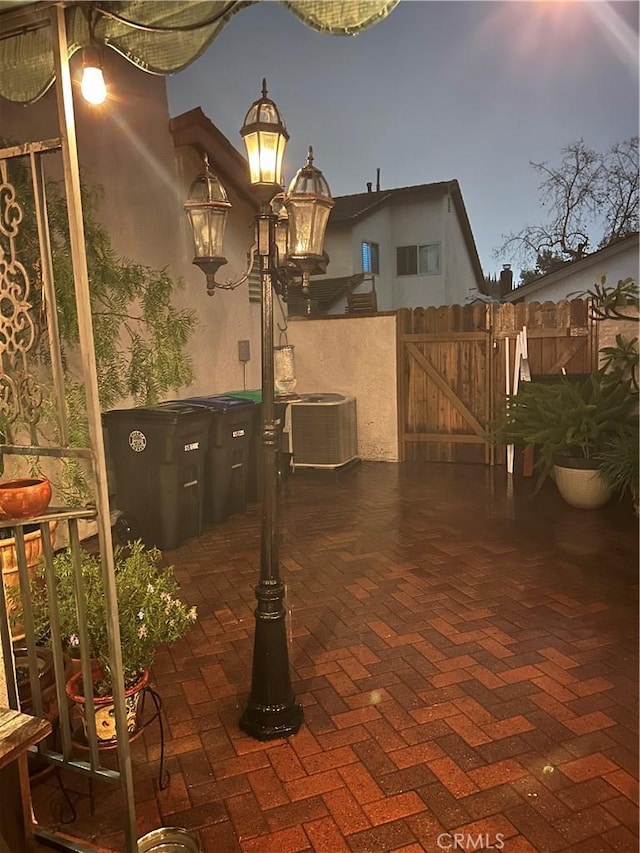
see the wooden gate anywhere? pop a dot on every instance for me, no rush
(452, 369)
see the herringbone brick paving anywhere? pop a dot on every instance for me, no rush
(466, 656)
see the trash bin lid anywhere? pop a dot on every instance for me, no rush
(176, 408)
(220, 402)
(171, 411)
(321, 398)
(254, 395)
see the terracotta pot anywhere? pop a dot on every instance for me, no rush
(105, 710)
(25, 497)
(9, 564)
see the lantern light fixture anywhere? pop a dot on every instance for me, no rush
(207, 208)
(308, 203)
(291, 225)
(265, 138)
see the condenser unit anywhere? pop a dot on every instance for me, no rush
(324, 431)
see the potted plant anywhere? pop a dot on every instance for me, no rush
(150, 614)
(569, 423)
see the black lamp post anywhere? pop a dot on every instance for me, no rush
(289, 246)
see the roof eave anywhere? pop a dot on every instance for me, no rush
(195, 129)
(519, 293)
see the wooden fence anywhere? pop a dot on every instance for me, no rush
(452, 369)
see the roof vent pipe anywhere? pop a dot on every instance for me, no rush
(377, 180)
(506, 280)
(369, 186)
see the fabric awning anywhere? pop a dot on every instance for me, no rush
(160, 37)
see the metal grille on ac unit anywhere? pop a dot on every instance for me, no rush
(324, 431)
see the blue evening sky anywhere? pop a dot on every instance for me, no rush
(437, 91)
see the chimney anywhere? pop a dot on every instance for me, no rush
(369, 186)
(377, 180)
(506, 280)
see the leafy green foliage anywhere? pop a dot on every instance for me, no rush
(607, 300)
(150, 612)
(620, 362)
(140, 337)
(546, 262)
(619, 461)
(566, 417)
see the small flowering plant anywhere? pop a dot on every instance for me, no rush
(150, 612)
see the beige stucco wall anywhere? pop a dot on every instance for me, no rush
(353, 356)
(460, 275)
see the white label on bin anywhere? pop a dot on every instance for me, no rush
(237, 433)
(194, 446)
(137, 441)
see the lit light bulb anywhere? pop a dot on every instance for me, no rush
(93, 87)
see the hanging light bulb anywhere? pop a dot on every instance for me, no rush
(93, 87)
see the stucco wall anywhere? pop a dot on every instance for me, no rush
(460, 275)
(414, 225)
(353, 356)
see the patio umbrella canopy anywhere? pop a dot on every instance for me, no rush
(159, 37)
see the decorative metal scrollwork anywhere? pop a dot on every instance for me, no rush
(20, 392)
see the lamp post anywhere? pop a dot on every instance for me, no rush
(289, 236)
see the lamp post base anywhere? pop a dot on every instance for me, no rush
(270, 722)
(272, 710)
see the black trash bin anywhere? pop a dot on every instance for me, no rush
(227, 465)
(254, 479)
(158, 457)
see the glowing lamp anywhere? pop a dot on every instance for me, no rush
(265, 138)
(308, 202)
(92, 86)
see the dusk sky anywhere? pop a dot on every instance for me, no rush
(437, 91)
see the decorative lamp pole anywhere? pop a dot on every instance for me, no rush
(288, 243)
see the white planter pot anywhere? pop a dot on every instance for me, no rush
(581, 487)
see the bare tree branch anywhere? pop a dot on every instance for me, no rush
(588, 195)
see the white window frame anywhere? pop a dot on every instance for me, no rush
(422, 252)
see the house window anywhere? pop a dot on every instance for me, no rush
(418, 260)
(370, 257)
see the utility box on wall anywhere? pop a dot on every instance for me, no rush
(324, 432)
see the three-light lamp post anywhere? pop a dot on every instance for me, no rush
(289, 237)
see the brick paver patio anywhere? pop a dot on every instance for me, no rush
(466, 656)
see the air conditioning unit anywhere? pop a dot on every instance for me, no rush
(324, 431)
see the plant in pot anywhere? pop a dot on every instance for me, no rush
(569, 423)
(150, 614)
